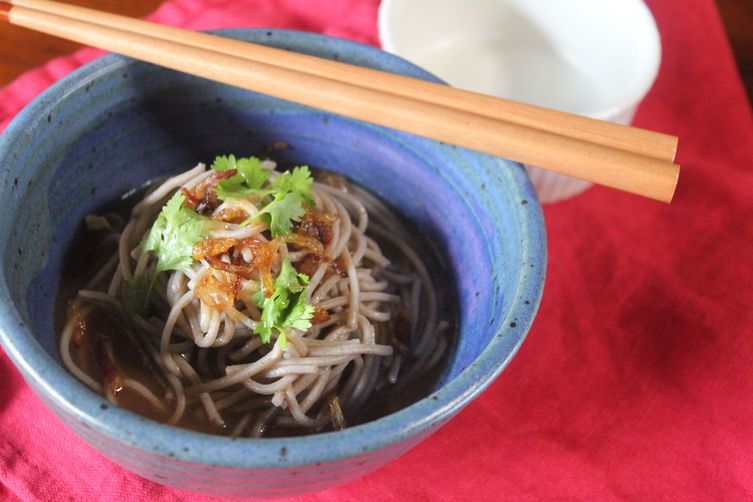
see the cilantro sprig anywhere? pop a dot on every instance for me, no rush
(280, 213)
(290, 192)
(248, 180)
(174, 234)
(286, 307)
(284, 196)
(297, 181)
(171, 239)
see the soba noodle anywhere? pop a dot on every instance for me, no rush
(373, 324)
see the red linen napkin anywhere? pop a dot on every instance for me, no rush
(636, 381)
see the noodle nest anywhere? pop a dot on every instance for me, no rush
(373, 324)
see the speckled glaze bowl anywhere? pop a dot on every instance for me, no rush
(116, 123)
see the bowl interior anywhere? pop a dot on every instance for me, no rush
(118, 123)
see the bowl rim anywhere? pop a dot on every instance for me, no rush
(44, 373)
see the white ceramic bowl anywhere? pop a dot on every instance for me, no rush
(591, 57)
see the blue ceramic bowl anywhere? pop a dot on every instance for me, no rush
(115, 123)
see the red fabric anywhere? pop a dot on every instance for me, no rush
(636, 379)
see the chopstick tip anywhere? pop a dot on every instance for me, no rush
(676, 144)
(671, 184)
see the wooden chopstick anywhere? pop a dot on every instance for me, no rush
(579, 157)
(651, 144)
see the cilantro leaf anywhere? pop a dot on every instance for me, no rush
(248, 180)
(297, 181)
(224, 163)
(235, 188)
(282, 340)
(269, 319)
(287, 307)
(289, 278)
(300, 315)
(174, 234)
(258, 297)
(280, 214)
(153, 240)
(252, 172)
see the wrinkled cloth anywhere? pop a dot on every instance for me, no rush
(636, 379)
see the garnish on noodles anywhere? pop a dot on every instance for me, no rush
(246, 301)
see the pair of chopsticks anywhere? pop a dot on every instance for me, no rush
(621, 157)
